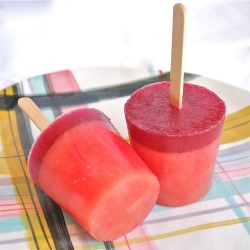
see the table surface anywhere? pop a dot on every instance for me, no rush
(31, 220)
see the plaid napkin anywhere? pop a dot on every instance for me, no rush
(32, 220)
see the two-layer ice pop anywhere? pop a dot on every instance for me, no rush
(176, 134)
(85, 166)
(179, 146)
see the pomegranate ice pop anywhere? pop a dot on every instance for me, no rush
(178, 145)
(85, 166)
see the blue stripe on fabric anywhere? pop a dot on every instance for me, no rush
(38, 85)
(221, 189)
(12, 224)
(49, 114)
(224, 189)
(243, 185)
(7, 191)
(239, 212)
(151, 72)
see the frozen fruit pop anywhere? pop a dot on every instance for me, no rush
(85, 166)
(178, 145)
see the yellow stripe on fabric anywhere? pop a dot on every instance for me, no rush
(8, 91)
(236, 126)
(14, 165)
(182, 231)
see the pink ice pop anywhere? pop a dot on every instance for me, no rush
(85, 166)
(178, 145)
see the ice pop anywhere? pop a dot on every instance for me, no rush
(85, 166)
(178, 145)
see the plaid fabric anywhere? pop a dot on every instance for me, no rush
(31, 220)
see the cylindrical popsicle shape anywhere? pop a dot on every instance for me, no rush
(178, 145)
(87, 168)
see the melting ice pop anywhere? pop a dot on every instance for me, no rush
(85, 166)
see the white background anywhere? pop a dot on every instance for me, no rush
(37, 37)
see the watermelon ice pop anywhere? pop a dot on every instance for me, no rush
(85, 166)
(178, 145)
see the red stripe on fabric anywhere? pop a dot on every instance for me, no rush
(127, 242)
(242, 168)
(235, 174)
(233, 184)
(63, 82)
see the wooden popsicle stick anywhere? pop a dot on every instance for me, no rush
(33, 112)
(176, 73)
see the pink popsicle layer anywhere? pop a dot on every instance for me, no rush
(83, 163)
(179, 146)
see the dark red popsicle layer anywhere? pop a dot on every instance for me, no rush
(196, 125)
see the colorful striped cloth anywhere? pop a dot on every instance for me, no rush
(32, 220)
